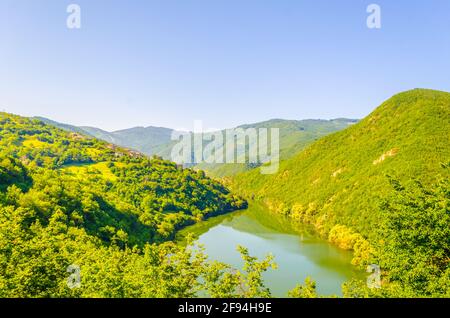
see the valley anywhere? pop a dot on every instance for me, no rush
(297, 249)
(294, 136)
(349, 195)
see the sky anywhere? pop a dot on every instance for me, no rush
(225, 62)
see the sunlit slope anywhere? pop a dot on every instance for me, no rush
(116, 194)
(295, 135)
(342, 178)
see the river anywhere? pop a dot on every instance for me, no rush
(297, 250)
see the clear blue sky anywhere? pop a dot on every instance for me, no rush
(225, 62)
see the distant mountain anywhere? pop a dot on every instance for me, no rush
(294, 136)
(65, 127)
(99, 134)
(143, 139)
(106, 187)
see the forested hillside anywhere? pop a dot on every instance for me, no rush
(113, 193)
(294, 136)
(338, 183)
(144, 139)
(68, 199)
(381, 188)
(147, 140)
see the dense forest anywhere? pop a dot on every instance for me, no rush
(294, 136)
(412, 245)
(112, 192)
(379, 188)
(68, 199)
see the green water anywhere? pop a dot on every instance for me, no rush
(297, 250)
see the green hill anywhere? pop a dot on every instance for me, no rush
(100, 134)
(338, 182)
(83, 218)
(143, 139)
(294, 136)
(66, 127)
(113, 193)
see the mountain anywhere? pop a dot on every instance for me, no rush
(65, 127)
(294, 136)
(105, 189)
(142, 139)
(70, 202)
(99, 134)
(80, 217)
(339, 182)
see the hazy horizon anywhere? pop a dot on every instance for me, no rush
(153, 126)
(226, 63)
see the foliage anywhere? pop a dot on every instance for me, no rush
(338, 182)
(294, 136)
(67, 199)
(413, 243)
(222, 281)
(308, 290)
(111, 192)
(34, 260)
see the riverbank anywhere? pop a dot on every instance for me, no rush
(298, 252)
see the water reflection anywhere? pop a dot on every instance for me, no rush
(298, 252)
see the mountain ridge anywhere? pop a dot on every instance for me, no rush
(111, 190)
(152, 140)
(338, 182)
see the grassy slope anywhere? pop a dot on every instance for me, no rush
(340, 179)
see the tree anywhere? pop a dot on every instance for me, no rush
(308, 290)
